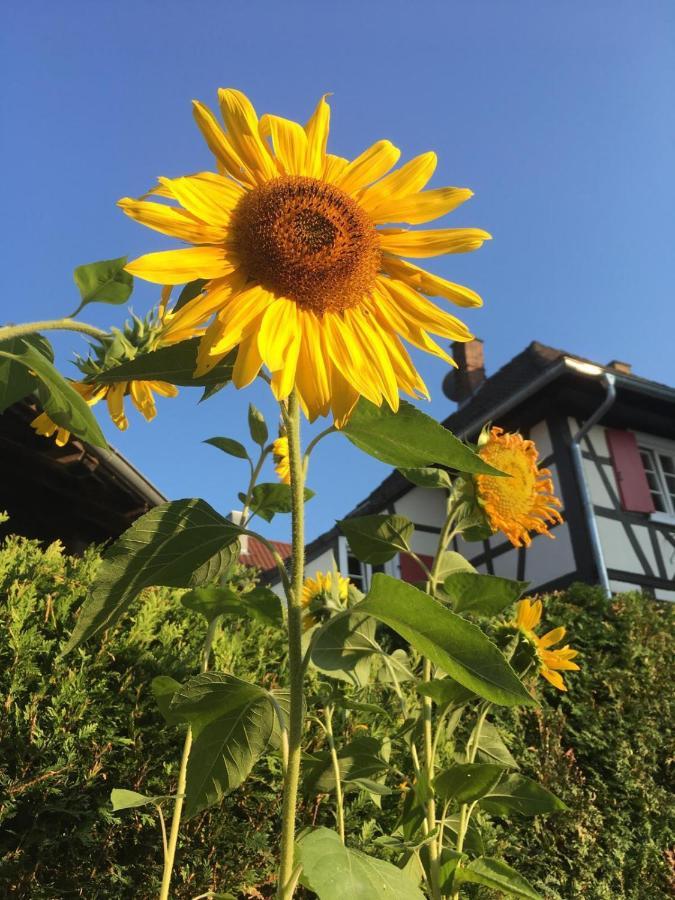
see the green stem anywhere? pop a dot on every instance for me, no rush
(7, 332)
(429, 762)
(286, 886)
(170, 852)
(328, 713)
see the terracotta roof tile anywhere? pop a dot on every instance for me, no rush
(260, 556)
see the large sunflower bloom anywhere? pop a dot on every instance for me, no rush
(522, 503)
(300, 274)
(551, 662)
(142, 397)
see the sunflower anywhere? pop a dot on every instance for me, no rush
(281, 459)
(299, 273)
(520, 504)
(319, 588)
(136, 337)
(551, 662)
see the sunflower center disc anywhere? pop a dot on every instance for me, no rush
(309, 241)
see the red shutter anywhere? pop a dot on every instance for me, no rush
(629, 471)
(411, 570)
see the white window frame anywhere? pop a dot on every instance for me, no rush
(659, 445)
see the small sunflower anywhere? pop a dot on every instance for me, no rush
(299, 274)
(522, 503)
(137, 336)
(551, 662)
(282, 464)
(321, 588)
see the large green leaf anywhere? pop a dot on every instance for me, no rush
(410, 439)
(377, 539)
(103, 282)
(428, 477)
(458, 647)
(485, 595)
(163, 688)
(61, 403)
(123, 799)
(345, 647)
(334, 872)
(445, 692)
(229, 446)
(495, 874)
(492, 749)
(232, 722)
(261, 603)
(518, 794)
(182, 543)
(466, 782)
(359, 759)
(270, 497)
(175, 364)
(16, 381)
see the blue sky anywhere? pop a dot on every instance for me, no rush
(558, 116)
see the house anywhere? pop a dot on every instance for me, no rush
(79, 494)
(608, 437)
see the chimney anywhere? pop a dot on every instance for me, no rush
(618, 366)
(462, 383)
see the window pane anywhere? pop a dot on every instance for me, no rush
(667, 464)
(354, 568)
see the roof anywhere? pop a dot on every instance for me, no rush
(260, 556)
(525, 374)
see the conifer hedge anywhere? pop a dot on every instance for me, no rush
(74, 728)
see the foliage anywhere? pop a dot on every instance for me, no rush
(76, 727)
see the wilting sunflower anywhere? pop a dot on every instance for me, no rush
(551, 662)
(137, 336)
(520, 504)
(321, 588)
(282, 464)
(300, 274)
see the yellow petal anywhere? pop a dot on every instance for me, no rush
(172, 221)
(239, 317)
(344, 397)
(312, 370)
(198, 310)
(115, 400)
(430, 284)
(220, 145)
(372, 164)
(248, 362)
(317, 138)
(418, 208)
(333, 167)
(141, 397)
(243, 131)
(425, 314)
(433, 242)
(552, 637)
(163, 388)
(554, 677)
(374, 349)
(278, 332)
(181, 266)
(290, 143)
(409, 179)
(347, 355)
(211, 201)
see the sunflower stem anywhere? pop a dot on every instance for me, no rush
(7, 332)
(286, 882)
(340, 814)
(170, 849)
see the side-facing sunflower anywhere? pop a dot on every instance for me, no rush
(282, 465)
(137, 336)
(551, 662)
(300, 274)
(319, 589)
(522, 503)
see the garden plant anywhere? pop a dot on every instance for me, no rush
(295, 277)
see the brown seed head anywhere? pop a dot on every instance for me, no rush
(307, 240)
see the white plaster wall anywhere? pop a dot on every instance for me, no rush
(661, 594)
(506, 564)
(539, 433)
(422, 505)
(547, 559)
(617, 549)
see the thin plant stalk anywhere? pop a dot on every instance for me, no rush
(286, 882)
(340, 814)
(170, 850)
(7, 332)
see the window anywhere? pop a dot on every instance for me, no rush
(658, 460)
(360, 574)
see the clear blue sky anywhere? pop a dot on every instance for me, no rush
(560, 116)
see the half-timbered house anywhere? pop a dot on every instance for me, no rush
(608, 437)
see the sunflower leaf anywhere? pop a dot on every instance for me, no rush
(485, 595)
(17, 381)
(103, 282)
(495, 874)
(174, 364)
(409, 439)
(377, 539)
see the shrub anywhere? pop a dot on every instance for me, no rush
(74, 728)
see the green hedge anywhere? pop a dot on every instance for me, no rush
(74, 728)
